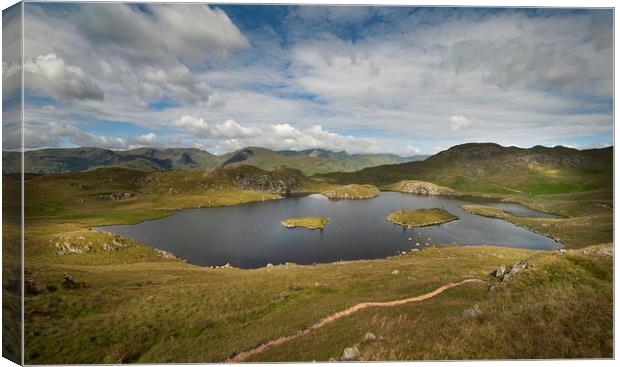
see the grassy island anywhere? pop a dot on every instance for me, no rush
(421, 217)
(353, 191)
(306, 222)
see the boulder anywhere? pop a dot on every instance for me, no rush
(350, 353)
(165, 254)
(501, 270)
(395, 272)
(516, 269)
(369, 337)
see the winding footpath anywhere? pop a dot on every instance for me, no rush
(360, 306)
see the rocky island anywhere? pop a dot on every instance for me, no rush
(306, 222)
(353, 191)
(420, 188)
(421, 217)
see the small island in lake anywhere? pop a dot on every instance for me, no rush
(306, 222)
(353, 191)
(421, 217)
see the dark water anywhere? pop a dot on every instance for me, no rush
(251, 235)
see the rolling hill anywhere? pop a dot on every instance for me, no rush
(310, 162)
(492, 168)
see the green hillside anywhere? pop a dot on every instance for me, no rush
(127, 302)
(310, 162)
(494, 169)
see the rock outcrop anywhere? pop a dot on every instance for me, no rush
(420, 188)
(117, 196)
(350, 353)
(280, 181)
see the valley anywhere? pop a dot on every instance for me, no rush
(129, 302)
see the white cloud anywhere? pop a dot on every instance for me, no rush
(230, 135)
(147, 139)
(51, 75)
(458, 122)
(501, 75)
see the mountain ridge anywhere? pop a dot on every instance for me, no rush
(57, 160)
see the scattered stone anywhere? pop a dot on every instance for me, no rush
(472, 313)
(417, 243)
(501, 270)
(350, 353)
(109, 248)
(165, 254)
(369, 337)
(409, 239)
(395, 272)
(227, 265)
(562, 251)
(269, 265)
(117, 196)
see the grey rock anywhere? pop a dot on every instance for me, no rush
(165, 254)
(472, 313)
(501, 270)
(117, 196)
(369, 336)
(350, 353)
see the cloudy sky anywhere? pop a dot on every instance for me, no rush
(403, 80)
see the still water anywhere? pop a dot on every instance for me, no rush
(251, 235)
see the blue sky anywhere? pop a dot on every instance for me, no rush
(401, 80)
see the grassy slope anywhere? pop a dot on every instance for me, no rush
(136, 306)
(170, 311)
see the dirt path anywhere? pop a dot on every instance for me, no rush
(360, 306)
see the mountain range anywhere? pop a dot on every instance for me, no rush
(309, 162)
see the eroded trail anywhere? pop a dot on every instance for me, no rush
(360, 306)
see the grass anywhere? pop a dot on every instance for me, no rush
(353, 191)
(421, 217)
(306, 222)
(156, 311)
(485, 210)
(132, 304)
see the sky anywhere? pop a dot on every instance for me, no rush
(401, 80)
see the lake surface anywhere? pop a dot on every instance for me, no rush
(251, 235)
